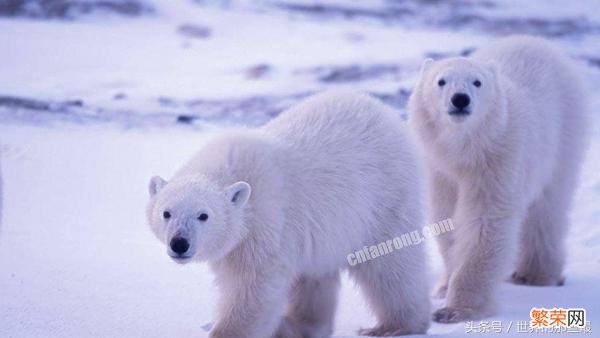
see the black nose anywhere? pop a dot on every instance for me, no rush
(460, 100)
(179, 245)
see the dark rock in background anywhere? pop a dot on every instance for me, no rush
(353, 72)
(194, 31)
(71, 9)
(251, 111)
(185, 119)
(443, 55)
(34, 104)
(258, 71)
(119, 96)
(449, 14)
(593, 61)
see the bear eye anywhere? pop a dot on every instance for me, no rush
(441, 82)
(166, 214)
(203, 217)
(477, 83)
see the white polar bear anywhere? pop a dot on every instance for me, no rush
(504, 133)
(276, 210)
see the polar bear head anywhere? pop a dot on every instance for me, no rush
(196, 218)
(456, 92)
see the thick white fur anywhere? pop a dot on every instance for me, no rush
(504, 173)
(332, 174)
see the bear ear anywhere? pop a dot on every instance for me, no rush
(156, 184)
(427, 63)
(238, 193)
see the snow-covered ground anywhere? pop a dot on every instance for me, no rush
(91, 108)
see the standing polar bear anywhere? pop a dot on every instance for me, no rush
(276, 210)
(504, 135)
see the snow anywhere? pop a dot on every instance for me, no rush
(101, 97)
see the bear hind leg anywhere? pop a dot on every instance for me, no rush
(395, 288)
(311, 311)
(542, 254)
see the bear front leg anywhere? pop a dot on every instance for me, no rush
(442, 200)
(251, 303)
(486, 227)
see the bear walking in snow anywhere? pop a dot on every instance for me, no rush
(504, 133)
(277, 210)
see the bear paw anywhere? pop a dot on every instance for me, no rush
(383, 331)
(536, 280)
(453, 315)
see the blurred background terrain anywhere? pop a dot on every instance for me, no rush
(138, 62)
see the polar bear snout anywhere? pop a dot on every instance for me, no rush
(179, 246)
(460, 101)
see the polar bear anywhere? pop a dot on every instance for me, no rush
(503, 133)
(276, 211)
